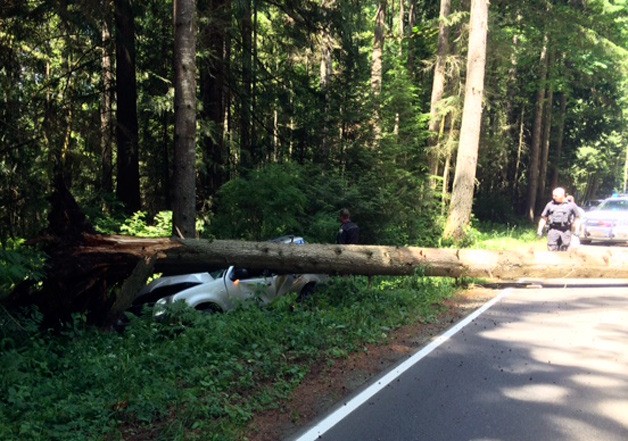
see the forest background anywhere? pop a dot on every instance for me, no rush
(302, 108)
(250, 119)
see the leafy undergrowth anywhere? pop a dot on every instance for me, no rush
(195, 376)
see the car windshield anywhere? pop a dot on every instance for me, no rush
(217, 274)
(614, 205)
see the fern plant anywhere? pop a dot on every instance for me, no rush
(18, 264)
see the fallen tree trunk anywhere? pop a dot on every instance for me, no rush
(84, 274)
(172, 255)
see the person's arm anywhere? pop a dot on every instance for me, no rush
(542, 222)
(576, 221)
(543, 219)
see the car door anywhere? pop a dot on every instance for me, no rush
(250, 284)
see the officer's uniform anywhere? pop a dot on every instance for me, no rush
(559, 217)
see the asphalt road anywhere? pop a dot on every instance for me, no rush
(534, 364)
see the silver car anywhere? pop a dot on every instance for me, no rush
(608, 222)
(225, 289)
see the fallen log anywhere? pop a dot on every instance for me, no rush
(84, 274)
(174, 254)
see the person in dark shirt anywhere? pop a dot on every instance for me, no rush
(349, 232)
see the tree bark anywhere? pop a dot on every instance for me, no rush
(438, 86)
(377, 69)
(411, 22)
(188, 255)
(515, 188)
(378, 48)
(322, 152)
(560, 134)
(184, 179)
(467, 158)
(546, 139)
(106, 103)
(545, 152)
(625, 177)
(535, 147)
(514, 114)
(212, 88)
(248, 154)
(402, 28)
(128, 183)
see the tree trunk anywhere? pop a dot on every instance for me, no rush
(326, 60)
(228, 118)
(545, 150)
(411, 22)
(467, 157)
(402, 28)
(260, 152)
(445, 184)
(513, 115)
(438, 85)
(378, 48)
(248, 156)
(546, 137)
(322, 151)
(625, 177)
(560, 135)
(83, 269)
(447, 165)
(515, 188)
(212, 89)
(166, 144)
(535, 147)
(174, 255)
(106, 103)
(82, 273)
(184, 195)
(377, 71)
(128, 183)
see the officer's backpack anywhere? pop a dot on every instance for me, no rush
(560, 216)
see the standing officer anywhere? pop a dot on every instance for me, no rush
(559, 214)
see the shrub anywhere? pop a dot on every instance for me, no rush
(391, 207)
(262, 205)
(19, 264)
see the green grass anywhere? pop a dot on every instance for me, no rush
(195, 377)
(504, 237)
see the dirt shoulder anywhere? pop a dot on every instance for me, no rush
(329, 383)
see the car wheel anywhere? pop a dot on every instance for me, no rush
(306, 292)
(209, 308)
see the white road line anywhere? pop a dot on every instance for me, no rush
(335, 417)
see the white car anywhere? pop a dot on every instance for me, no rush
(591, 204)
(608, 222)
(225, 289)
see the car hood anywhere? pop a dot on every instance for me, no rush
(197, 278)
(606, 214)
(207, 289)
